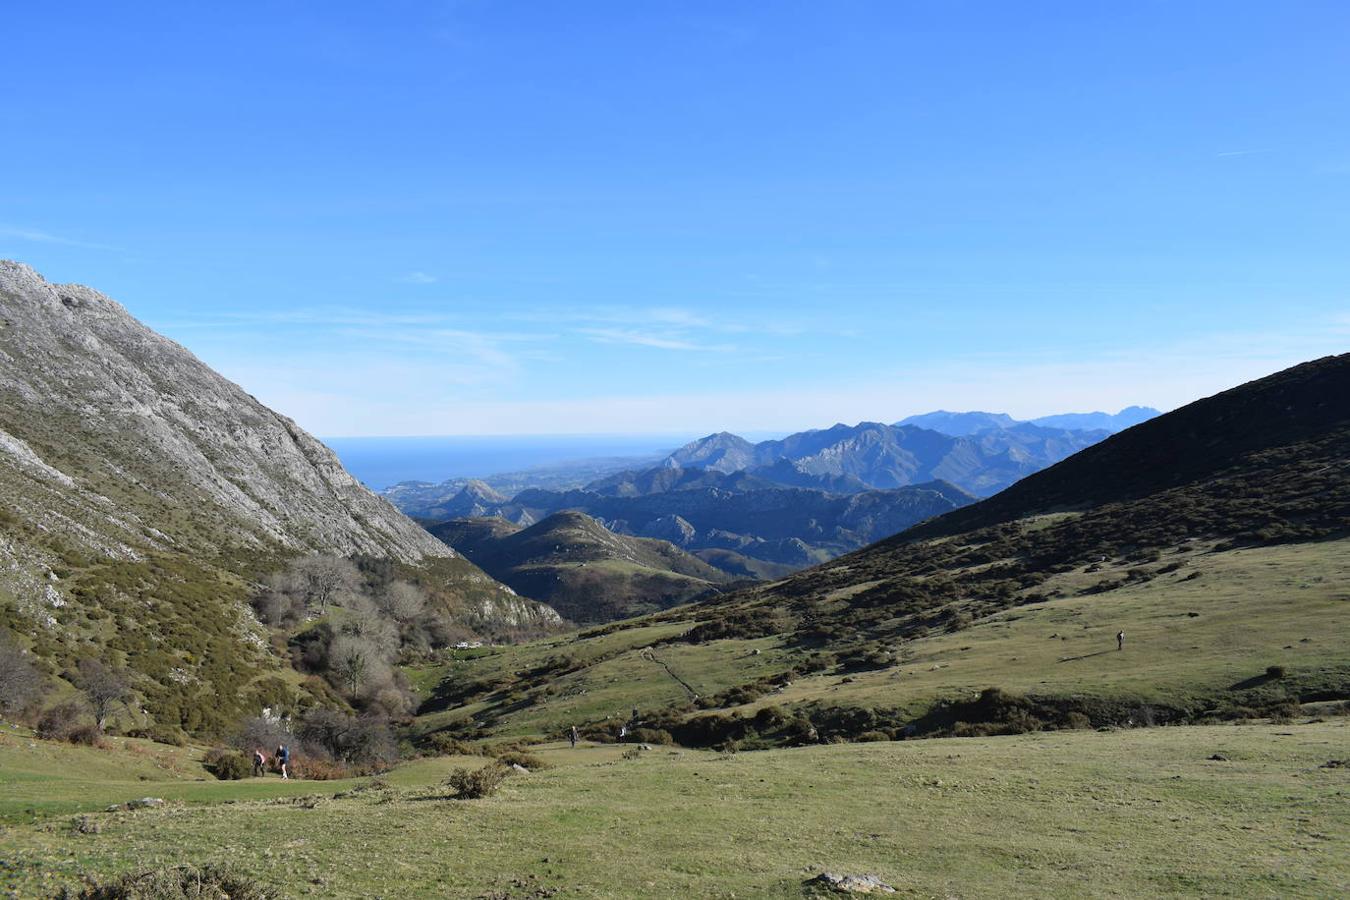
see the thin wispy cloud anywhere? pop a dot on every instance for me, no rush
(660, 341)
(1230, 153)
(417, 278)
(37, 236)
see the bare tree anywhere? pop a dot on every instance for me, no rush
(323, 578)
(105, 686)
(21, 684)
(353, 661)
(402, 602)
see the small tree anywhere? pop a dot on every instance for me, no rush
(105, 686)
(352, 661)
(21, 684)
(322, 578)
(402, 602)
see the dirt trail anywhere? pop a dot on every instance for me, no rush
(647, 654)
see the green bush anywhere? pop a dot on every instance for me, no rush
(1077, 719)
(477, 783)
(227, 765)
(443, 744)
(651, 736)
(1276, 671)
(524, 760)
(161, 734)
(870, 737)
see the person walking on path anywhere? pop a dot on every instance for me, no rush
(573, 737)
(284, 760)
(259, 763)
(1120, 640)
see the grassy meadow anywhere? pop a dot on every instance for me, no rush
(1210, 626)
(1080, 813)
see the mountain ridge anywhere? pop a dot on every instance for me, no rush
(144, 498)
(579, 567)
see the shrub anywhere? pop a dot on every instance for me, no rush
(868, 737)
(1276, 671)
(314, 768)
(443, 744)
(478, 783)
(86, 733)
(173, 883)
(349, 739)
(1077, 719)
(524, 760)
(161, 734)
(227, 765)
(57, 723)
(651, 736)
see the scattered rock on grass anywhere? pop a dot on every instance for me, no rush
(1219, 757)
(142, 803)
(85, 825)
(850, 884)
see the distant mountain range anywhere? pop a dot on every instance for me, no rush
(960, 424)
(982, 454)
(1213, 540)
(743, 525)
(765, 509)
(1263, 464)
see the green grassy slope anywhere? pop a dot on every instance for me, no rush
(1230, 560)
(581, 568)
(1140, 812)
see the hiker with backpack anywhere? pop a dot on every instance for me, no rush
(284, 760)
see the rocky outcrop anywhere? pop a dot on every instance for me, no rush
(117, 444)
(675, 529)
(122, 441)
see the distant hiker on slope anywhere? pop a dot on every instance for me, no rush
(573, 737)
(284, 760)
(1120, 640)
(259, 763)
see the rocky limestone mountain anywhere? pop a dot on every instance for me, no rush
(1126, 418)
(961, 424)
(141, 493)
(476, 500)
(874, 456)
(121, 441)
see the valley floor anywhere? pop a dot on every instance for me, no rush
(1142, 812)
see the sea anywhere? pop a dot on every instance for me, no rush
(380, 462)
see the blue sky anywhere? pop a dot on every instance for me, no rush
(542, 217)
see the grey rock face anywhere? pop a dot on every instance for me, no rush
(123, 441)
(116, 442)
(671, 528)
